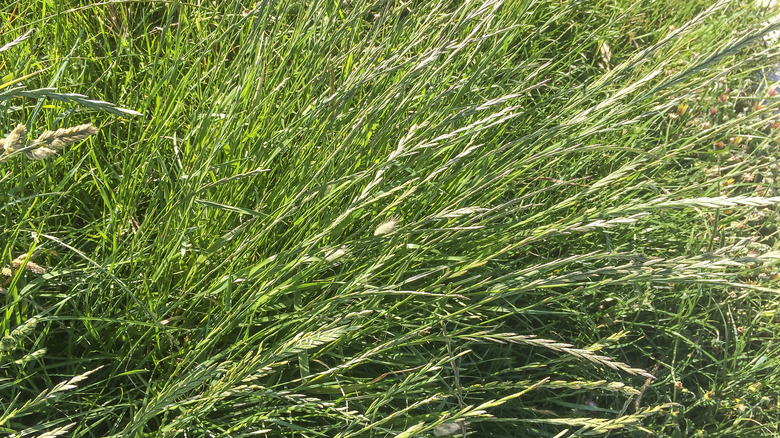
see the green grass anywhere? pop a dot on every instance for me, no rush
(352, 218)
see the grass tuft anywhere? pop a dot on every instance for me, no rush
(351, 218)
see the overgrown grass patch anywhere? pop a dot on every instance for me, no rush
(497, 218)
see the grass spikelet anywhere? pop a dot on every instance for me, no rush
(58, 431)
(451, 428)
(40, 153)
(11, 341)
(64, 136)
(49, 142)
(70, 384)
(386, 227)
(567, 349)
(353, 231)
(35, 355)
(15, 140)
(333, 254)
(446, 214)
(47, 396)
(592, 426)
(19, 262)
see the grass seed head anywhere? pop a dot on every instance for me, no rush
(15, 140)
(386, 227)
(337, 253)
(40, 153)
(49, 142)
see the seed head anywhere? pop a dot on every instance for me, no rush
(386, 227)
(49, 142)
(333, 254)
(40, 154)
(15, 140)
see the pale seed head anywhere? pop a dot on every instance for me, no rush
(16, 139)
(49, 142)
(386, 227)
(65, 136)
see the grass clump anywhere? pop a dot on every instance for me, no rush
(495, 218)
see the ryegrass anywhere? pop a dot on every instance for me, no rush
(381, 218)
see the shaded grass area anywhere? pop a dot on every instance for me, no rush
(385, 218)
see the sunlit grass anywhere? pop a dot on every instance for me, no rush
(501, 218)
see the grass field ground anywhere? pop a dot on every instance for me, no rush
(384, 218)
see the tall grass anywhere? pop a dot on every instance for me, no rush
(352, 218)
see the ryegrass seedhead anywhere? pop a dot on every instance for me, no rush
(19, 262)
(47, 144)
(15, 140)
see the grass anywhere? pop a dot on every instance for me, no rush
(352, 218)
